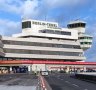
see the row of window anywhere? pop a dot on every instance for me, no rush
(56, 32)
(85, 38)
(89, 43)
(13, 58)
(26, 24)
(20, 51)
(76, 25)
(40, 44)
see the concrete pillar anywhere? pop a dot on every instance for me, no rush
(36, 69)
(84, 68)
(29, 69)
(74, 68)
(11, 69)
(67, 70)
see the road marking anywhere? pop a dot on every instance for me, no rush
(85, 89)
(75, 85)
(67, 81)
(58, 77)
(61, 79)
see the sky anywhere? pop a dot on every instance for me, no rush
(61, 11)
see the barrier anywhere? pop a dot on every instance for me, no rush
(87, 77)
(44, 62)
(43, 83)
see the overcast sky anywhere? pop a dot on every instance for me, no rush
(62, 11)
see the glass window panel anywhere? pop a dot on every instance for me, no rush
(40, 44)
(20, 51)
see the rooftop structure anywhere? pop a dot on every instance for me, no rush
(84, 39)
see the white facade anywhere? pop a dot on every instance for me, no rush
(42, 40)
(84, 39)
(80, 29)
(49, 49)
(39, 25)
(1, 47)
(35, 28)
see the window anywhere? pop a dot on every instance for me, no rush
(43, 24)
(56, 32)
(76, 25)
(81, 42)
(83, 24)
(33, 22)
(90, 37)
(40, 23)
(85, 38)
(86, 42)
(81, 37)
(90, 43)
(43, 52)
(26, 24)
(79, 24)
(40, 44)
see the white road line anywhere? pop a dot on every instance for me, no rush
(61, 79)
(67, 81)
(72, 84)
(85, 89)
(58, 77)
(75, 85)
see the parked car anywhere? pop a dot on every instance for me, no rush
(44, 73)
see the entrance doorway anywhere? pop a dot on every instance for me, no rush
(20, 69)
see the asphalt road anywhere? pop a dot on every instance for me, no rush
(65, 82)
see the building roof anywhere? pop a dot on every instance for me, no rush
(85, 35)
(76, 21)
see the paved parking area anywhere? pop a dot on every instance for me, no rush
(3, 87)
(18, 82)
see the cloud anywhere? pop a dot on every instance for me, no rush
(8, 27)
(61, 11)
(90, 53)
(60, 3)
(10, 6)
(35, 8)
(29, 8)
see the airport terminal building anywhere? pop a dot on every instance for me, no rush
(42, 41)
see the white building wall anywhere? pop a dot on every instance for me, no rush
(43, 40)
(38, 67)
(79, 29)
(74, 35)
(1, 47)
(40, 48)
(36, 27)
(37, 56)
(34, 30)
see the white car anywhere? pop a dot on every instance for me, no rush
(44, 73)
